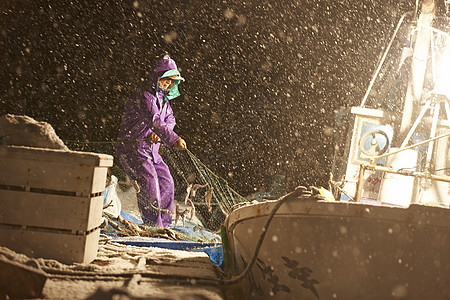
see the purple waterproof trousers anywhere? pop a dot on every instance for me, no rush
(156, 185)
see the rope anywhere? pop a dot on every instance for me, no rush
(298, 193)
(105, 142)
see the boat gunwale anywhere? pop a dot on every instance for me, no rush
(433, 216)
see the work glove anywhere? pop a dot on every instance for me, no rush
(180, 144)
(153, 138)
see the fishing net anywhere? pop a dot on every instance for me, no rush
(214, 197)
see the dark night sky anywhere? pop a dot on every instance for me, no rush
(263, 78)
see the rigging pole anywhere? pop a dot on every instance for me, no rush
(419, 65)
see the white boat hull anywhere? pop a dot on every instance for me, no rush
(336, 250)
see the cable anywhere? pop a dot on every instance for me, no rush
(443, 169)
(105, 142)
(299, 192)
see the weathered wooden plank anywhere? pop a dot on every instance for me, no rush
(44, 154)
(99, 179)
(66, 248)
(79, 172)
(50, 211)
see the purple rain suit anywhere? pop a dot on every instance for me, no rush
(148, 110)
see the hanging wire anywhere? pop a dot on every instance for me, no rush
(104, 142)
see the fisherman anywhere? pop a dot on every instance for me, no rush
(148, 117)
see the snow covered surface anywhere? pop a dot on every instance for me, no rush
(26, 131)
(130, 271)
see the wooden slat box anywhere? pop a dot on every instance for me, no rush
(51, 202)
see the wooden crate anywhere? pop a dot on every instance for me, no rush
(51, 202)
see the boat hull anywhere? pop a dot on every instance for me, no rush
(336, 250)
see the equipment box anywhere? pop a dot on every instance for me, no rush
(51, 202)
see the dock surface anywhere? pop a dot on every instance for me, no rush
(131, 272)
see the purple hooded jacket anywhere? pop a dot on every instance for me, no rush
(148, 110)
